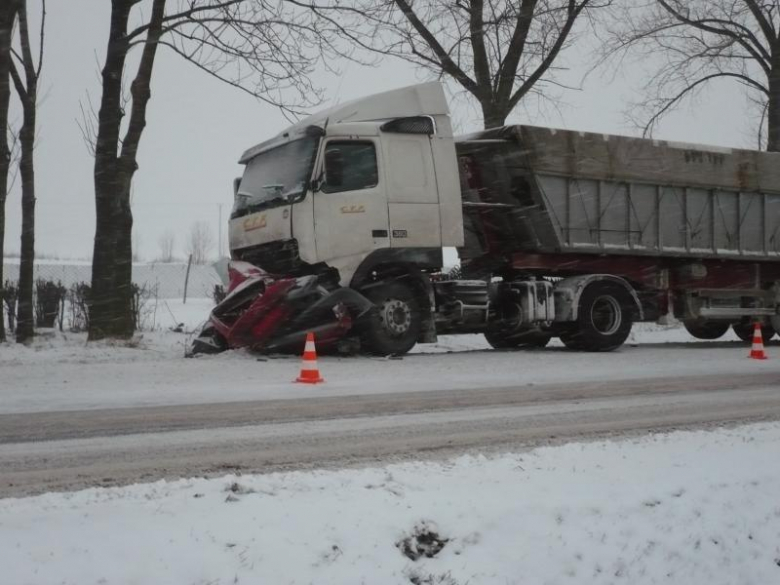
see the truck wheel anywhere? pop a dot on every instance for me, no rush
(744, 330)
(395, 327)
(499, 340)
(703, 329)
(603, 319)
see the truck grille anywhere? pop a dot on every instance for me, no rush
(280, 257)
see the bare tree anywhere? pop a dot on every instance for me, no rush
(700, 42)
(167, 243)
(8, 12)
(499, 51)
(200, 242)
(264, 47)
(26, 84)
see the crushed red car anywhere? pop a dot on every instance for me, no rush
(272, 314)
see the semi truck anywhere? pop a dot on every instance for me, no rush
(559, 233)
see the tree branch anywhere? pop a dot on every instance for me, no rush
(18, 83)
(508, 68)
(762, 20)
(140, 87)
(751, 45)
(672, 102)
(42, 37)
(476, 36)
(446, 63)
(574, 11)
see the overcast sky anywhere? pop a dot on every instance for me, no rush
(197, 128)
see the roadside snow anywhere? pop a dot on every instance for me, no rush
(687, 507)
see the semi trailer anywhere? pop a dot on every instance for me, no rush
(559, 233)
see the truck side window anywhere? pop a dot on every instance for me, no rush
(350, 166)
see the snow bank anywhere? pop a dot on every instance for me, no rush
(693, 508)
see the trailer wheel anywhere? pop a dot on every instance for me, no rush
(604, 319)
(704, 329)
(744, 330)
(395, 326)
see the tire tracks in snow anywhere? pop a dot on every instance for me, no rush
(58, 451)
(80, 424)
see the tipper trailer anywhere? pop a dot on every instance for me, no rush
(560, 233)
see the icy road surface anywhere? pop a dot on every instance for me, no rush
(62, 372)
(74, 415)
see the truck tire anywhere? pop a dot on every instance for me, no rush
(500, 340)
(604, 319)
(395, 327)
(744, 330)
(704, 329)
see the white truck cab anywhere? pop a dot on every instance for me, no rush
(567, 234)
(352, 187)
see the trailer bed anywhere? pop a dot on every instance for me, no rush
(542, 190)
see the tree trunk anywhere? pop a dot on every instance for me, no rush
(112, 263)
(123, 275)
(141, 93)
(6, 20)
(7, 17)
(493, 115)
(24, 317)
(28, 95)
(773, 112)
(106, 306)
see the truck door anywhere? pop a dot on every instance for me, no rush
(412, 193)
(350, 208)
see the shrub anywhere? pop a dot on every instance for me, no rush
(8, 296)
(144, 311)
(79, 298)
(49, 302)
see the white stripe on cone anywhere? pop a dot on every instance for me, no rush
(309, 365)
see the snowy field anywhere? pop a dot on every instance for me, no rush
(688, 507)
(63, 372)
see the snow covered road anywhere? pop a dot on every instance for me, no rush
(64, 373)
(74, 415)
(64, 451)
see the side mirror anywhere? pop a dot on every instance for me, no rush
(236, 185)
(334, 167)
(317, 183)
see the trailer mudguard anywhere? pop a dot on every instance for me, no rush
(569, 290)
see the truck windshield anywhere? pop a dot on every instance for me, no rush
(275, 175)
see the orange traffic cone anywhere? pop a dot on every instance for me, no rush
(310, 374)
(757, 351)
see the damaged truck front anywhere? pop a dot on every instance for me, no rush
(560, 234)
